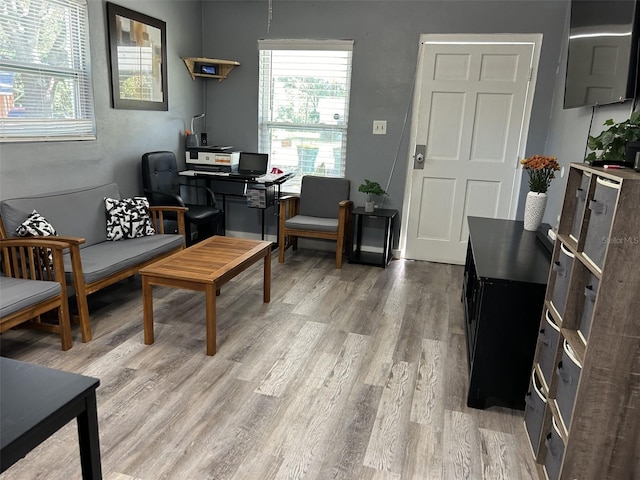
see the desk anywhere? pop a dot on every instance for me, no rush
(35, 402)
(266, 181)
(505, 278)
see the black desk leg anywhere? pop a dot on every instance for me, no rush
(89, 440)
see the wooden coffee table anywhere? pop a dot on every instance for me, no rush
(204, 267)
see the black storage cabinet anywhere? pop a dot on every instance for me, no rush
(505, 279)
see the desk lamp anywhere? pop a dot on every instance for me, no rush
(193, 140)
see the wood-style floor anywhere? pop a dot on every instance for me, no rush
(358, 373)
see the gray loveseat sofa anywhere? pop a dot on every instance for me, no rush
(79, 217)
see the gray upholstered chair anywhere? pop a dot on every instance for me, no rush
(322, 210)
(162, 186)
(32, 283)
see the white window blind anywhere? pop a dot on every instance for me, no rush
(304, 105)
(45, 82)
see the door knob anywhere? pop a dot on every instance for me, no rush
(418, 157)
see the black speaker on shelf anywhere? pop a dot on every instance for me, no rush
(203, 139)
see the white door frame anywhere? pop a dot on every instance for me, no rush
(534, 38)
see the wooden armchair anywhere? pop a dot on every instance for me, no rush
(322, 210)
(33, 283)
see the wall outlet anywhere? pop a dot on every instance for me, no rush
(379, 127)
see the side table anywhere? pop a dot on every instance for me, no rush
(378, 259)
(35, 402)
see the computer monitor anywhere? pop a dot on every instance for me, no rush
(255, 164)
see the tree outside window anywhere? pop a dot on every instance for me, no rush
(304, 98)
(44, 70)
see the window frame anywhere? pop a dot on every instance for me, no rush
(267, 125)
(77, 71)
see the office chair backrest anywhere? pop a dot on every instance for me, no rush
(160, 172)
(320, 196)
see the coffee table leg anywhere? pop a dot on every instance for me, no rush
(147, 303)
(210, 300)
(267, 277)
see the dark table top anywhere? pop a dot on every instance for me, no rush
(378, 212)
(30, 394)
(504, 250)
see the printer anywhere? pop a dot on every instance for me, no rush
(212, 159)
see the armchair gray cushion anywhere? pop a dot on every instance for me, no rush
(18, 293)
(316, 224)
(321, 196)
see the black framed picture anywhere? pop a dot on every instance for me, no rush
(138, 60)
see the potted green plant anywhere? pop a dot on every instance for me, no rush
(617, 142)
(371, 189)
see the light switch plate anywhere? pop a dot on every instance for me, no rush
(379, 127)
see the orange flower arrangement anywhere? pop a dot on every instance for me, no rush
(541, 171)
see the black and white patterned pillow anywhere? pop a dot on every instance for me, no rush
(34, 225)
(128, 218)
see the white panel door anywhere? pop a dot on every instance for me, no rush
(471, 111)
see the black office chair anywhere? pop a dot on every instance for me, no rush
(162, 186)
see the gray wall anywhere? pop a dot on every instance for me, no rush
(123, 135)
(568, 132)
(386, 35)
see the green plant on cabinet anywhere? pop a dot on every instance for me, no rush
(612, 142)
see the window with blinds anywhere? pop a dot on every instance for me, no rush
(304, 106)
(45, 82)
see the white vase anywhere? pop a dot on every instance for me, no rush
(534, 210)
(369, 207)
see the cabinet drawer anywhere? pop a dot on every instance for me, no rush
(548, 338)
(581, 197)
(569, 369)
(562, 270)
(555, 450)
(536, 403)
(590, 293)
(602, 207)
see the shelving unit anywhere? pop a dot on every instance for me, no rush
(582, 407)
(223, 67)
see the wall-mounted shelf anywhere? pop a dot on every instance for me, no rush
(222, 68)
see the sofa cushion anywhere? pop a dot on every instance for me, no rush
(77, 213)
(34, 225)
(18, 293)
(104, 259)
(128, 218)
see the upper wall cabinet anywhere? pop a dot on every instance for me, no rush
(209, 67)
